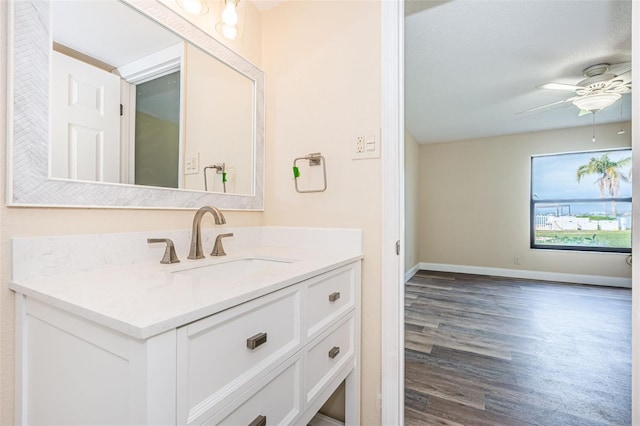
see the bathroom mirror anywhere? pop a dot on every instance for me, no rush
(217, 124)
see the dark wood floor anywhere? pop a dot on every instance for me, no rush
(497, 351)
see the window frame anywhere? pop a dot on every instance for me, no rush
(533, 203)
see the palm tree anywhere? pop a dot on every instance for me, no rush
(609, 176)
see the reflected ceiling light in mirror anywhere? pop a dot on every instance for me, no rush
(229, 25)
(194, 7)
(230, 33)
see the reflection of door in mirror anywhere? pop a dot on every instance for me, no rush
(157, 131)
(85, 143)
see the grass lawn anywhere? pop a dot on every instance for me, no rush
(585, 238)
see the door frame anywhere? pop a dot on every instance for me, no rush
(392, 273)
(635, 270)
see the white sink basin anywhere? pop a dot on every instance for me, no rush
(236, 268)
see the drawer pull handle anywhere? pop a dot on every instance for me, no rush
(259, 421)
(334, 352)
(257, 340)
(334, 296)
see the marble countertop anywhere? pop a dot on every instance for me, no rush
(146, 299)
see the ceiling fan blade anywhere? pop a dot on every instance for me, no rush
(559, 86)
(626, 77)
(619, 69)
(621, 89)
(548, 105)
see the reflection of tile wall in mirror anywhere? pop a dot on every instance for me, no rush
(216, 109)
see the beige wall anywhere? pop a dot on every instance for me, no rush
(322, 60)
(411, 197)
(474, 202)
(18, 222)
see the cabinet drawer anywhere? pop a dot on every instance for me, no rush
(327, 355)
(220, 357)
(328, 297)
(276, 400)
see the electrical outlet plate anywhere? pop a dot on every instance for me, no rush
(365, 144)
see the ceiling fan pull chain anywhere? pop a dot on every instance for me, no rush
(621, 131)
(593, 126)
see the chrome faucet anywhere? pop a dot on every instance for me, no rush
(195, 251)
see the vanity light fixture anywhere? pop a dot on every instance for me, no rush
(229, 25)
(194, 7)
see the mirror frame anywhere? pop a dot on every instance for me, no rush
(28, 181)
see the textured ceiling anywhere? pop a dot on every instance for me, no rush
(471, 65)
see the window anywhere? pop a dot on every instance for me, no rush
(582, 201)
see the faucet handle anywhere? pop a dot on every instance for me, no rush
(218, 250)
(170, 255)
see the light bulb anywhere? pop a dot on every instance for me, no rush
(229, 15)
(193, 6)
(229, 32)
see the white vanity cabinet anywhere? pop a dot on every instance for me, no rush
(215, 360)
(271, 360)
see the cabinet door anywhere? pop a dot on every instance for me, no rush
(72, 371)
(221, 356)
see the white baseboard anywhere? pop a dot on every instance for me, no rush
(528, 274)
(411, 272)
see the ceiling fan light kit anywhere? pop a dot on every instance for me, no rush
(596, 101)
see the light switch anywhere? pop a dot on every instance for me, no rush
(370, 143)
(191, 164)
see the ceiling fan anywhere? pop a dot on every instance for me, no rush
(603, 86)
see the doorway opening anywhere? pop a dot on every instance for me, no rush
(157, 131)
